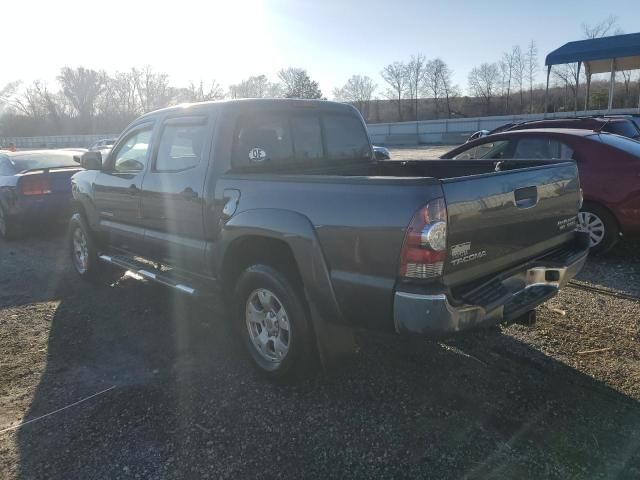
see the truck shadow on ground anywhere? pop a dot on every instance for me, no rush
(186, 403)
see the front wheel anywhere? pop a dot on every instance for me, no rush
(84, 253)
(601, 227)
(272, 322)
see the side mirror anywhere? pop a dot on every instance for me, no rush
(91, 161)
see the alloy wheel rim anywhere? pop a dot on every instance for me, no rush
(268, 325)
(80, 251)
(592, 224)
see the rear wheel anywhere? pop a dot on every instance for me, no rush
(272, 322)
(9, 228)
(600, 225)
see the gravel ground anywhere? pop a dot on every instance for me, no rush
(183, 402)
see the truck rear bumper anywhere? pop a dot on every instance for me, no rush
(436, 315)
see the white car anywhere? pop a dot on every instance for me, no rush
(102, 145)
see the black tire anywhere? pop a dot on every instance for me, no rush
(605, 224)
(10, 229)
(300, 356)
(93, 269)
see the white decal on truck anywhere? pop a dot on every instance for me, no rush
(257, 155)
(460, 249)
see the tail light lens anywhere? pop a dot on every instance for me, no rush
(425, 243)
(36, 185)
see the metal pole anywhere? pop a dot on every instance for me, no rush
(612, 83)
(575, 100)
(587, 71)
(546, 92)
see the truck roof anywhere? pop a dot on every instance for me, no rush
(259, 104)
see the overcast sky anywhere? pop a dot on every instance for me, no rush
(228, 40)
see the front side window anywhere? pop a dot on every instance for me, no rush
(488, 150)
(543, 149)
(262, 139)
(180, 147)
(346, 138)
(131, 156)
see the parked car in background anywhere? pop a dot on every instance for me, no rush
(35, 187)
(625, 125)
(381, 153)
(102, 145)
(478, 134)
(609, 168)
(282, 206)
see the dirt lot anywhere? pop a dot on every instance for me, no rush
(179, 401)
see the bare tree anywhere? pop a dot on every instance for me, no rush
(519, 67)
(358, 90)
(415, 71)
(484, 81)
(608, 26)
(82, 86)
(297, 84)
(31, 102)
(395, 76)
(6, 94)
(507, 64)
(197, 92)
(433, 82)
(531, 70)
(569, 75)
(152, 88)
(446, 83)
(257, 86)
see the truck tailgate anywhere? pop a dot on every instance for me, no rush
(500, 219)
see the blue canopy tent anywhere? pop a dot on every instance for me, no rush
(599, 55)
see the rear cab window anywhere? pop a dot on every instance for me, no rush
(298, 140)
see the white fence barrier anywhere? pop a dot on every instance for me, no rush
(457, 130)
(400, 133)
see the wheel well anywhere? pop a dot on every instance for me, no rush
(255, 249)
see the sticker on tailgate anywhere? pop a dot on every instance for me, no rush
(461, 253)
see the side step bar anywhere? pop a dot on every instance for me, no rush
(146, 271)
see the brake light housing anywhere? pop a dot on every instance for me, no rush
(425, 243)
(36, 185)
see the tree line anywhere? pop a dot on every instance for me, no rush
(88, 101)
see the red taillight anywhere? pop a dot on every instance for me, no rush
(425, 243)
(36, 185)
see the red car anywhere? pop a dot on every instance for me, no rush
(609, 168)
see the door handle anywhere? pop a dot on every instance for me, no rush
(526, 197)
(133, 189)
(231, 199)
(189, 194)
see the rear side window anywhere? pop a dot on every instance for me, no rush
(626, 129)
(346, 138)
(542, 148)
(262, 139)
(625, 144)
(180, 147)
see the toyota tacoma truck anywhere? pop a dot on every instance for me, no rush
(282, 207)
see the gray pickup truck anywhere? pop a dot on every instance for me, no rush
(282, 206)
